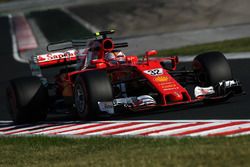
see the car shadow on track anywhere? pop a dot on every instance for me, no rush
(166, 113)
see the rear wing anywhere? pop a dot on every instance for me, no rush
(77, 42)
(66, 45)
(59, 58)
(57, 55)
(55, 59)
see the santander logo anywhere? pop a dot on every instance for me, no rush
(56, 56)
(40, 58)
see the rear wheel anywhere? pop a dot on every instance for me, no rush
(90, 88)
(211, 68)
(27, 100)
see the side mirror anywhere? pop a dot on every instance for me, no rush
(171, 63)
(176, 59)
(151, 53)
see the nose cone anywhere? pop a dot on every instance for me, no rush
(175, 97)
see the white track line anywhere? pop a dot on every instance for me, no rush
(154, 128)
(6, 129)
(218, 130)
(5, 122)
(102, 132)
(145, 121)
(160, 127)
(20, 130)
(239, 134)
(179, 130)
(60, 128)
(183, 120)
(76, 132)
(14, 42)
(52, 127)
(78, 19)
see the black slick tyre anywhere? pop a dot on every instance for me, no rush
(90, 88)
(27, 100)
(211, 68)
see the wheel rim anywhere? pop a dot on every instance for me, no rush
(79, 98)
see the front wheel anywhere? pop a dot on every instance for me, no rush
(211, 68)
(90, 88)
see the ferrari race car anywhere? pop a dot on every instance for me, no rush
(94, 78)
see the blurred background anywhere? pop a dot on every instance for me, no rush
(165, 23)
(140, 17)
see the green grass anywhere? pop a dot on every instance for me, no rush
(95, 151)
(227, 46)
(57, 25)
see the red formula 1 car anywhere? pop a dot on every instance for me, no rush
(93, 77)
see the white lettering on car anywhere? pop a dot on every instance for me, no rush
(56, 56)
(154, 72)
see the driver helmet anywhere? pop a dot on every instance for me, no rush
(110, 56)
(115, 56)
(120, 56)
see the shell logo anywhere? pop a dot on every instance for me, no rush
(161, 79)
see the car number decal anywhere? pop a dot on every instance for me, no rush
(154, 72)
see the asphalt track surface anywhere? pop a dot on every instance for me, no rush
(236, 108)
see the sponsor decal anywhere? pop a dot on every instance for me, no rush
(161, 79)
(168, 89)
(168, 86)
(154, 72)
(166, 83)
(56, 56)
